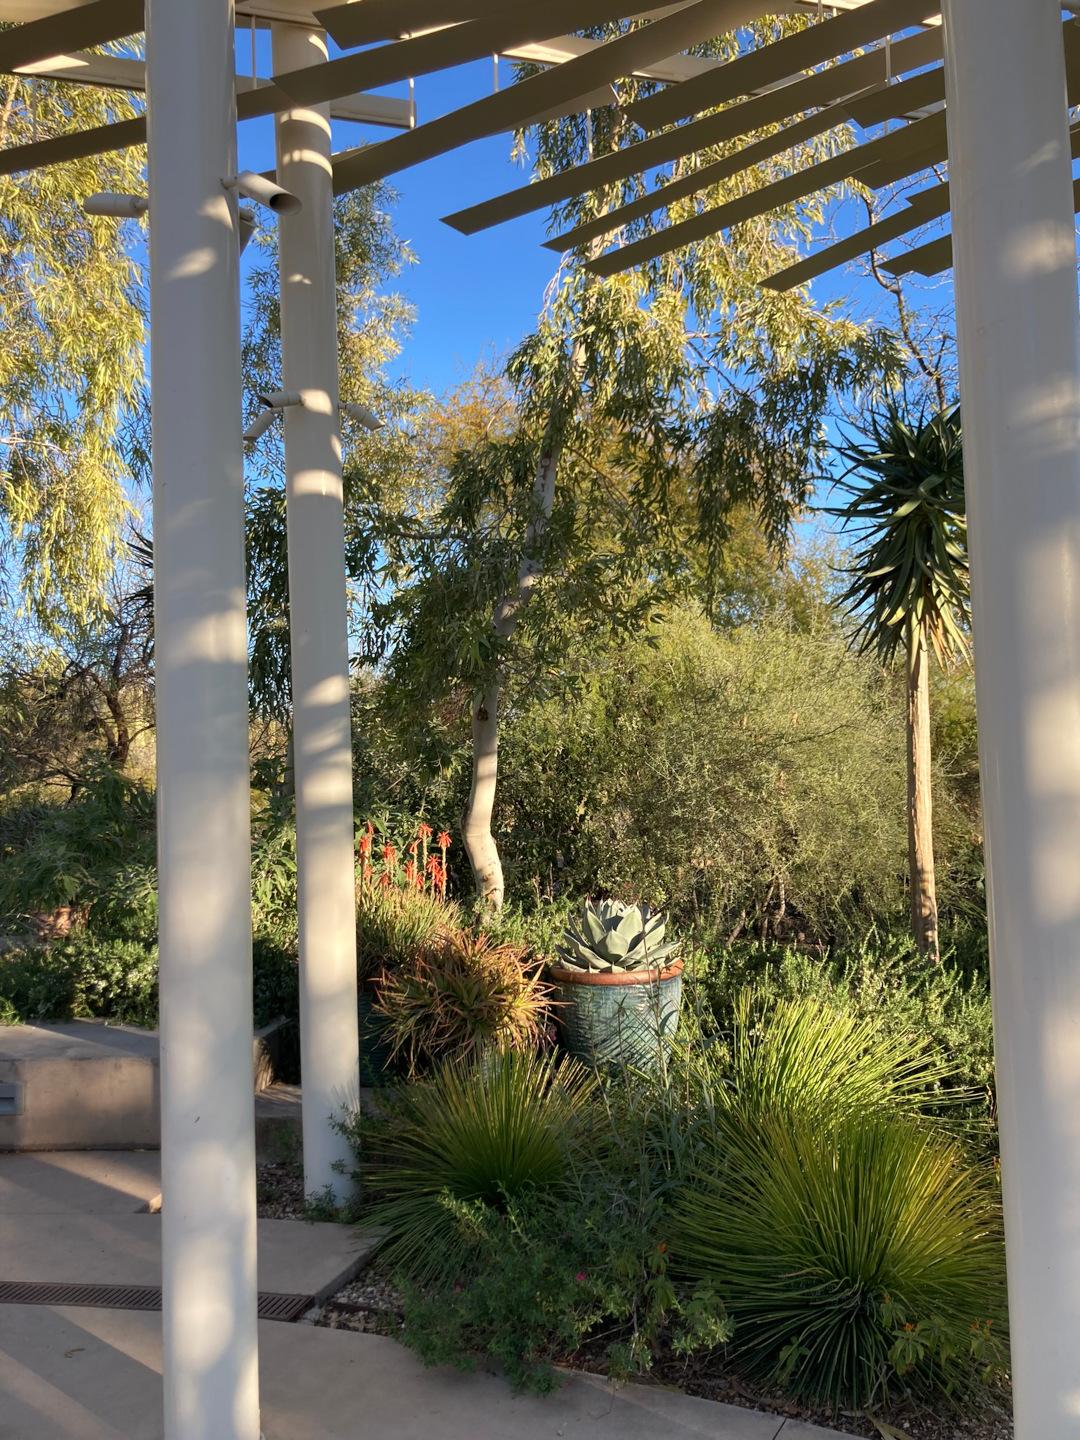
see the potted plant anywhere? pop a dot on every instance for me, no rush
(618, 985)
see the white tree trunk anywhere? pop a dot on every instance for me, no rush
(476, 832)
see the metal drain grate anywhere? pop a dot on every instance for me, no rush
(134, 1297)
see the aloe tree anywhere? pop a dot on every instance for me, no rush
(909, 591)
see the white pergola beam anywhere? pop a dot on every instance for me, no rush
(118, 72)
(200, 658)
(318, 627)
(1016, 304)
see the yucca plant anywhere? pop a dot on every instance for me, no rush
(613, 938)
(462, 994)
(909, 590)
(474, 1133)
(854, 1257)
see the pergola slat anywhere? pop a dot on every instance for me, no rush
(79, 29)
(892, 100)
(562, 84)
(773, 63)
(917, 139)
(76, 146)
(933, 203)
(378, 20)
(387, 64)
(851, 77)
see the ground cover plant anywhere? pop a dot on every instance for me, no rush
(792, 1196)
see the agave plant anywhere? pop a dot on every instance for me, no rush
(614, 938)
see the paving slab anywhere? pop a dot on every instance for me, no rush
(85, 1374)
(294, 1258)
(79, 1182)
(799, 1430)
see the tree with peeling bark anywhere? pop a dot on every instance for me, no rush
(909, 592)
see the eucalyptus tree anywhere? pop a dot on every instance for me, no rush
(909, 591)
(71, 367)
(651, 406)
(381, 481)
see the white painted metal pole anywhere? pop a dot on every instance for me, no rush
(318, 625)
(1016, 296)
(207, 1083)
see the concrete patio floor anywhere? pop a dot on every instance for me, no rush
(84, 1373)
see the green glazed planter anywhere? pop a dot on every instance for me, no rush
(377, 1065)
(615, 1020)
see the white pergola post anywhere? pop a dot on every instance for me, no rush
(322, 747)
(1016, 297)
(200, 635)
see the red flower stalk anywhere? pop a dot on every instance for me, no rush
(423, 830)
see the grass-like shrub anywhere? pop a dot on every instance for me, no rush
(481, 1133)
(854, 1256)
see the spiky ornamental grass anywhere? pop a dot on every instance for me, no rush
(855, 1245)
(484, 1132)
(910, 567)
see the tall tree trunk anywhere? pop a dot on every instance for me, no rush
(924, 918)
(476, 835)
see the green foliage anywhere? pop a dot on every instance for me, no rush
(614, 938)
(755, 778)
(885, 984)
(93, 856)
(803, 1055)
(487, 1132)
(911, 567)
(71, 371)
(108, 979)
(854, 1256)
(462, 995)
(558, 1274)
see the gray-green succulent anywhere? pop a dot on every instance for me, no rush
(614, 938)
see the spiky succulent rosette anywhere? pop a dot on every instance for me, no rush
(613, 938)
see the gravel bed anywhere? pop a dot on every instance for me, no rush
(279, 1192)
(370, 1303)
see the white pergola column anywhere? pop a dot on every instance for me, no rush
(200, 637)
(322, 745)
(1016, 299)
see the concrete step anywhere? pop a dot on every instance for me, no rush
(88, 1085)
(80, 1182)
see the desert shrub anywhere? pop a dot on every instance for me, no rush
(757, 774)
(560, 1274)
(479, 1133)
(462, 995)
(882, 981)
(854, 1257)
(804, 1056)
(83, 978)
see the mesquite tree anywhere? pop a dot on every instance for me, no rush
(909, 591)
